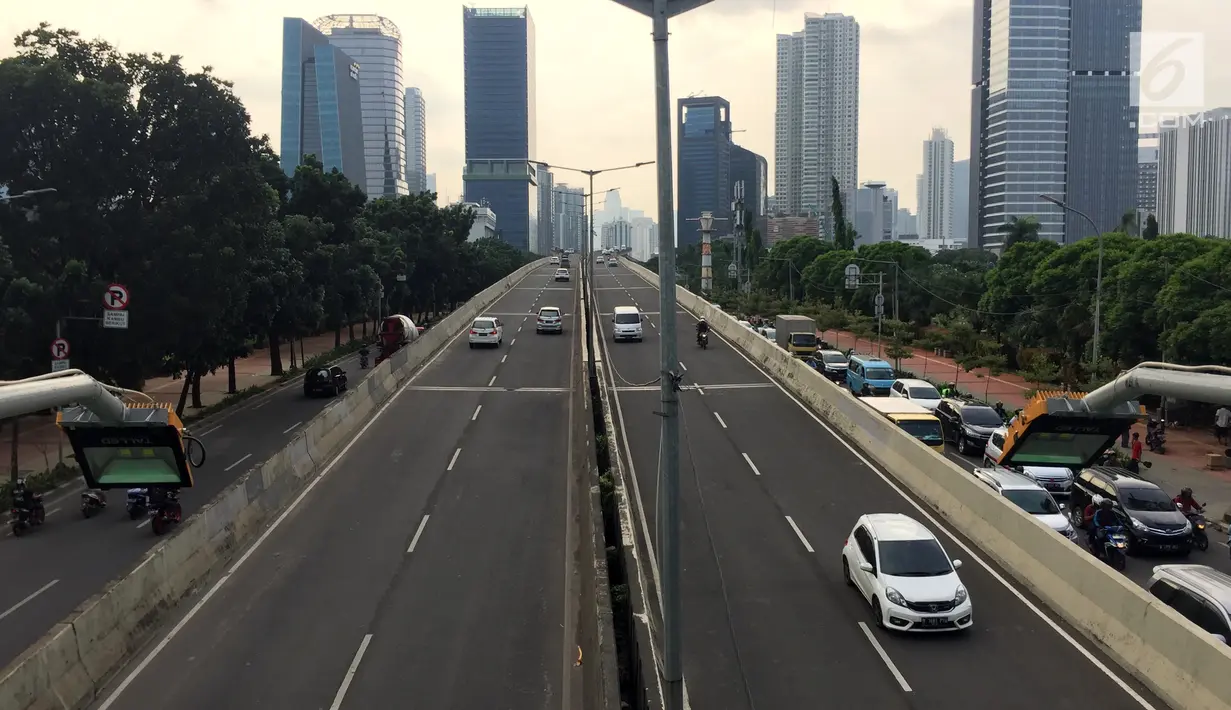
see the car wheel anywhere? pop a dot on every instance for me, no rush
(878, 616)
(472, 346)
(961, 446)
(846, 573)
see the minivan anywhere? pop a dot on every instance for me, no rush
(626, 323)
(1199, 593)
(867, 375)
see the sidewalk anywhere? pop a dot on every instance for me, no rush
(1184, 464)
(41, 444)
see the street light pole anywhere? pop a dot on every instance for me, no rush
(1098, 280)
(659, 11)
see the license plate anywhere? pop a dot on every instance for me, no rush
(933, 622)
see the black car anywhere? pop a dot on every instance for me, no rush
(1150, 517)
(324, 380)
(967, 425)
(830, 363)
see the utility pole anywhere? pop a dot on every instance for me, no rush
(855, 279)
(737, 209)
(707, 220)
(668, 520)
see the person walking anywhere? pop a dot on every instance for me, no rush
(1222, 422)
(1134, 461)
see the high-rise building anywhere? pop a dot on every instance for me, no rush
(416, 141)
(501, 128)
(816, 119)
(1147, 180)
(645, 239)
(873, 214)
(704, 162)
(617, 235)
(752, 170)
(570, 217)
(1051, 113)
(905, 223)
(321, 112)
(961, 205)
(545, 237)
(484, 225)
(431, 182)
(1194, 175)
(782, 227)
(376, 44)
(936, 199)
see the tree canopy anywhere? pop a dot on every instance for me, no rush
(154, 180)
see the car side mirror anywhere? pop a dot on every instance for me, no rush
(866, 566)
(957, 564)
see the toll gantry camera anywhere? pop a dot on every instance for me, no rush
(116, 444)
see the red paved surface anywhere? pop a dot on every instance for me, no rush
(42, 445)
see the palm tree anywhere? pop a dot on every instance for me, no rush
(1019, 229)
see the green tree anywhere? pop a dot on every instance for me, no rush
(1019, 229)
(844, 235)
(1151, 228)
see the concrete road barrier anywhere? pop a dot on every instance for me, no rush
(66, 668)
(1180, 662)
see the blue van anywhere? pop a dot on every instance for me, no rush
(867, 375)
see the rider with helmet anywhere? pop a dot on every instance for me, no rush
(1104, 517)
(1188, 505)
(703, 327)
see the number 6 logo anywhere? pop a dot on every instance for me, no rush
(1170, 69)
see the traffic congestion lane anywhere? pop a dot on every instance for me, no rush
(447, 482)
(823, 485)
(70, 558)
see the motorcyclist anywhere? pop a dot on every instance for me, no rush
(1188, 505)
(1104, 517)
(364, 352)
(1001, 411)
(703, 327)
(24, 498)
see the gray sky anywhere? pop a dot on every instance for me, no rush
(595, 69)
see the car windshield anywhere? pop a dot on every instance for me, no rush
(322, 374)
(834, 359)
(879, 373)
(626, 318)
(1032, 501)
(913, 558)
(923, 393)
(803, 339)
(923, 430)
(484, 324)
(1149, 500)
(981, 416)
(549, 313)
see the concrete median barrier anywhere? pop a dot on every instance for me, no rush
(68, 666)
(1177, 660)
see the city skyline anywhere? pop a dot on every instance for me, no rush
(915, 70)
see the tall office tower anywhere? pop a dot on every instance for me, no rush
(752, 170)
(704, 163)
(501, 129)
(1194, 175)
(645, 238)
(416, 141)
(961, 204)
(872, 216)
(321, 112)
(1147, 180)
(816, 119)
(618, 234)
(376, 44)
(936, 201)
(1051, 113)
(431, 182)
(891, 214)
(570, 220)
(546, 233)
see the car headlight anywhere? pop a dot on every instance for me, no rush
(1070, 533)
(960, 596)
(969, 432)
(894, 597)
(1188, 526)
(1138, 525)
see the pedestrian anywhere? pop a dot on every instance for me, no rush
(1134, 461)
(1222, 422)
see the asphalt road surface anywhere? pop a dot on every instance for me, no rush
(49, 571)
(430, 566)
(768, 497)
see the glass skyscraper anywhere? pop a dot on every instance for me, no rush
(416, 141)
(500, 118)
(376, 44)
(1051, 114)
(704, 168)
(320, 103)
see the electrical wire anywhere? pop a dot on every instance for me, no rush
(189, 440)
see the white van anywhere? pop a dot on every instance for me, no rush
(626, 323)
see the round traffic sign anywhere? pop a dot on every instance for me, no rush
(59, 349)
(879, 299)
(116, 297)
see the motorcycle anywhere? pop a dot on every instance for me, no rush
(91, 503)
(138, 503)
(703, 339)
(1156, 437)
(1112, 548)
(166, 513)
(363, 360)
(1201, 540)
(27, 518)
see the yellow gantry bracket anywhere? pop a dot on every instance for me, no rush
(1059, 429)
(147, 448)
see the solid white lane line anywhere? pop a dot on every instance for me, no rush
(885, 657)
(291, 428)
(29, 599)
(475, 416)
(350, 673)
(800, 534)
(492, 381)
(207, 432)
(454, 459)
(724, 426)
(146, 522)
(245, 458)
(414, 541)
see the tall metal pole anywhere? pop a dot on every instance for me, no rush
(1098, 279)
(707, 253)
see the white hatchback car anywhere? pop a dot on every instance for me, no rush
(486, 330)
(906, 576)
(921, 392)
(562, 275)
